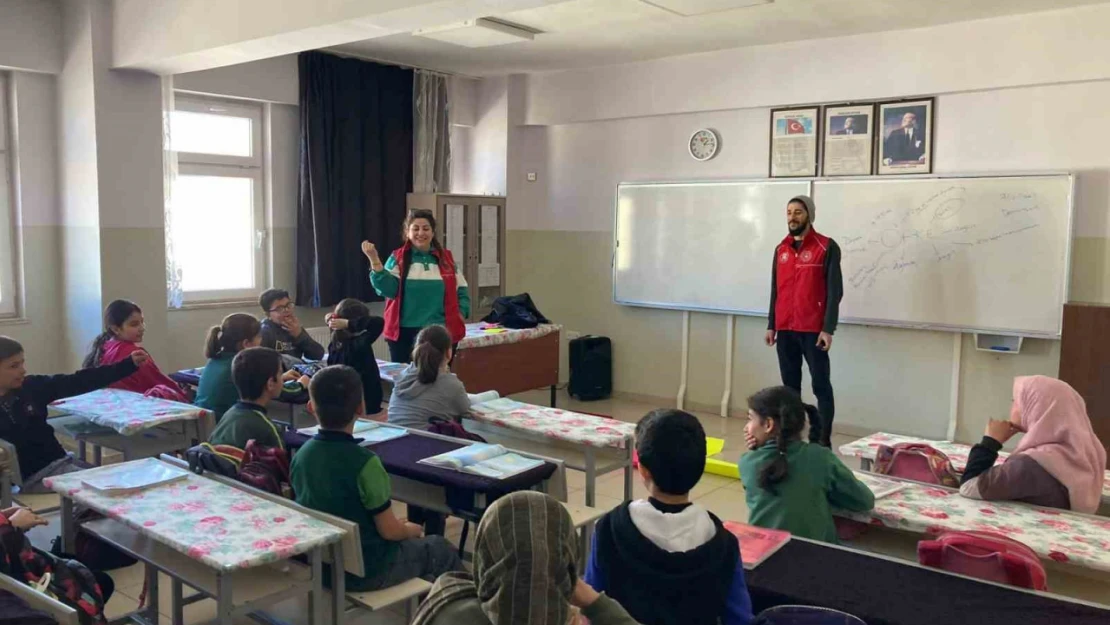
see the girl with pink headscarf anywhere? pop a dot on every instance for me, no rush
(1059, 462)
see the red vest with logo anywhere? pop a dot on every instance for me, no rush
(801, 292)
(451, 313)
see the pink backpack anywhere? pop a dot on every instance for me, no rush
(916, 461)
(984, 555)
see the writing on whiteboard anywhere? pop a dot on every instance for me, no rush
(942, 229)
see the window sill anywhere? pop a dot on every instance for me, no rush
(14, 321)
(211, 305)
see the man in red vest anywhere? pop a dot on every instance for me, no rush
(806, 287)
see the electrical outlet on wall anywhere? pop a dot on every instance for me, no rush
(531, 176)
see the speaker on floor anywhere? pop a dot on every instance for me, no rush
(591, 368)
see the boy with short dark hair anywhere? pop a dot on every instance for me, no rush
(256, 373)
(665, 559)
(334, 474)
(282, 330)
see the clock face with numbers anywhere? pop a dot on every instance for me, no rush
(704, 144)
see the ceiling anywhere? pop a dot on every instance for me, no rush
(589, 33)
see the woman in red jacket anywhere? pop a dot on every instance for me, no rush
(123, 334)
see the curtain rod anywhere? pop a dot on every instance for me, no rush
(363, 57)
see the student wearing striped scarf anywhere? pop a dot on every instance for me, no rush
(525, 573)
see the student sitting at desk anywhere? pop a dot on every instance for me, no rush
(216, 391)
(282, 330)
(256, 372)
(353, 332)
(124, 328)
(1059, 462)
(664, 559)
(525, 572)
(23, 402)
(790, 484)
(332, 473)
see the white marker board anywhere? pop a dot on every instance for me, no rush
(987, 254)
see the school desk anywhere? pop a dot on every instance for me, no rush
(508, 361)
(556, 431)
(232, 546)
(131, 423)
(867, 447)
(445, 490)
(1077, 542)
(887, 591)
(191, 378)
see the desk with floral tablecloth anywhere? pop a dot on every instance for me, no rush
(508, 361)
(866, 448)
(1079, 540)
(226, 529)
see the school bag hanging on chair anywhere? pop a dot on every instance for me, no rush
(916, 461)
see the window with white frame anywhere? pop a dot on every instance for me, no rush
(216, 211)
(9, 287)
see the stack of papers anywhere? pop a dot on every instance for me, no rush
(492, 461)
(133, 476)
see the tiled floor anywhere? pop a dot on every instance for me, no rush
(724, 496)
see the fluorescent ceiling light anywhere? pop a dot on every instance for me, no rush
(479, 33)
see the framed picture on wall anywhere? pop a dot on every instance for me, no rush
(794, 141)
(906, 138)
(848, 140)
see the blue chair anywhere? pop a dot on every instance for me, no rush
(805, 615)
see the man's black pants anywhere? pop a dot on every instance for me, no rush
(792, 348)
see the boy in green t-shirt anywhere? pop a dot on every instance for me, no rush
(256, 372)
(332, 473)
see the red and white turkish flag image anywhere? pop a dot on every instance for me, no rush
(795, 127)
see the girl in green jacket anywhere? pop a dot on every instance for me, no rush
(790, 484)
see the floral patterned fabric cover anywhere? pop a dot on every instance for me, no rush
(222, 526)
(561, 425)
(127, 412)
(1059, 535)
(477, 334)
(866, 447)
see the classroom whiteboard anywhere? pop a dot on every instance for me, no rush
(699, 246)
(987, 254)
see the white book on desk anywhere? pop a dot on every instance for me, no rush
(880, 487)
(503, 404)
(370, 431)
(481, 398)
(492, 461)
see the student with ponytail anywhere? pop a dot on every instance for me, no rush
(427, 389)
(124, 328)
(790, 484)
(216, 390)
(353, 332)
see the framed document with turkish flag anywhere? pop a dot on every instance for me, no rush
(794, 134)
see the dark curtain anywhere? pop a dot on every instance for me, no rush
(356, 167)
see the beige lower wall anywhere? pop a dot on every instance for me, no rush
(40, 329)
(885, 378)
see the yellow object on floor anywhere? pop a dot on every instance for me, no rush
(714, 446)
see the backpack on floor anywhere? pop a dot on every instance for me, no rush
(452, 428)
(67, 580)
(984, 555)
(916, 461)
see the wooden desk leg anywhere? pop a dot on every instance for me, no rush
(177, 602)
(224, 606)
(69, 532)
(338, 585)
(591, 476)
(315, 596)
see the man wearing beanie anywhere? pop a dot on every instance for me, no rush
(806, 288)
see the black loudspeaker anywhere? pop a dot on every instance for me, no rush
(591, 368)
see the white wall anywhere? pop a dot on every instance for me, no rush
(1023, 93)
(30, 35)
(479, 152)
(268, 80)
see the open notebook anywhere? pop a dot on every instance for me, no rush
(493, 461)
(370, 431)
(756, 543)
